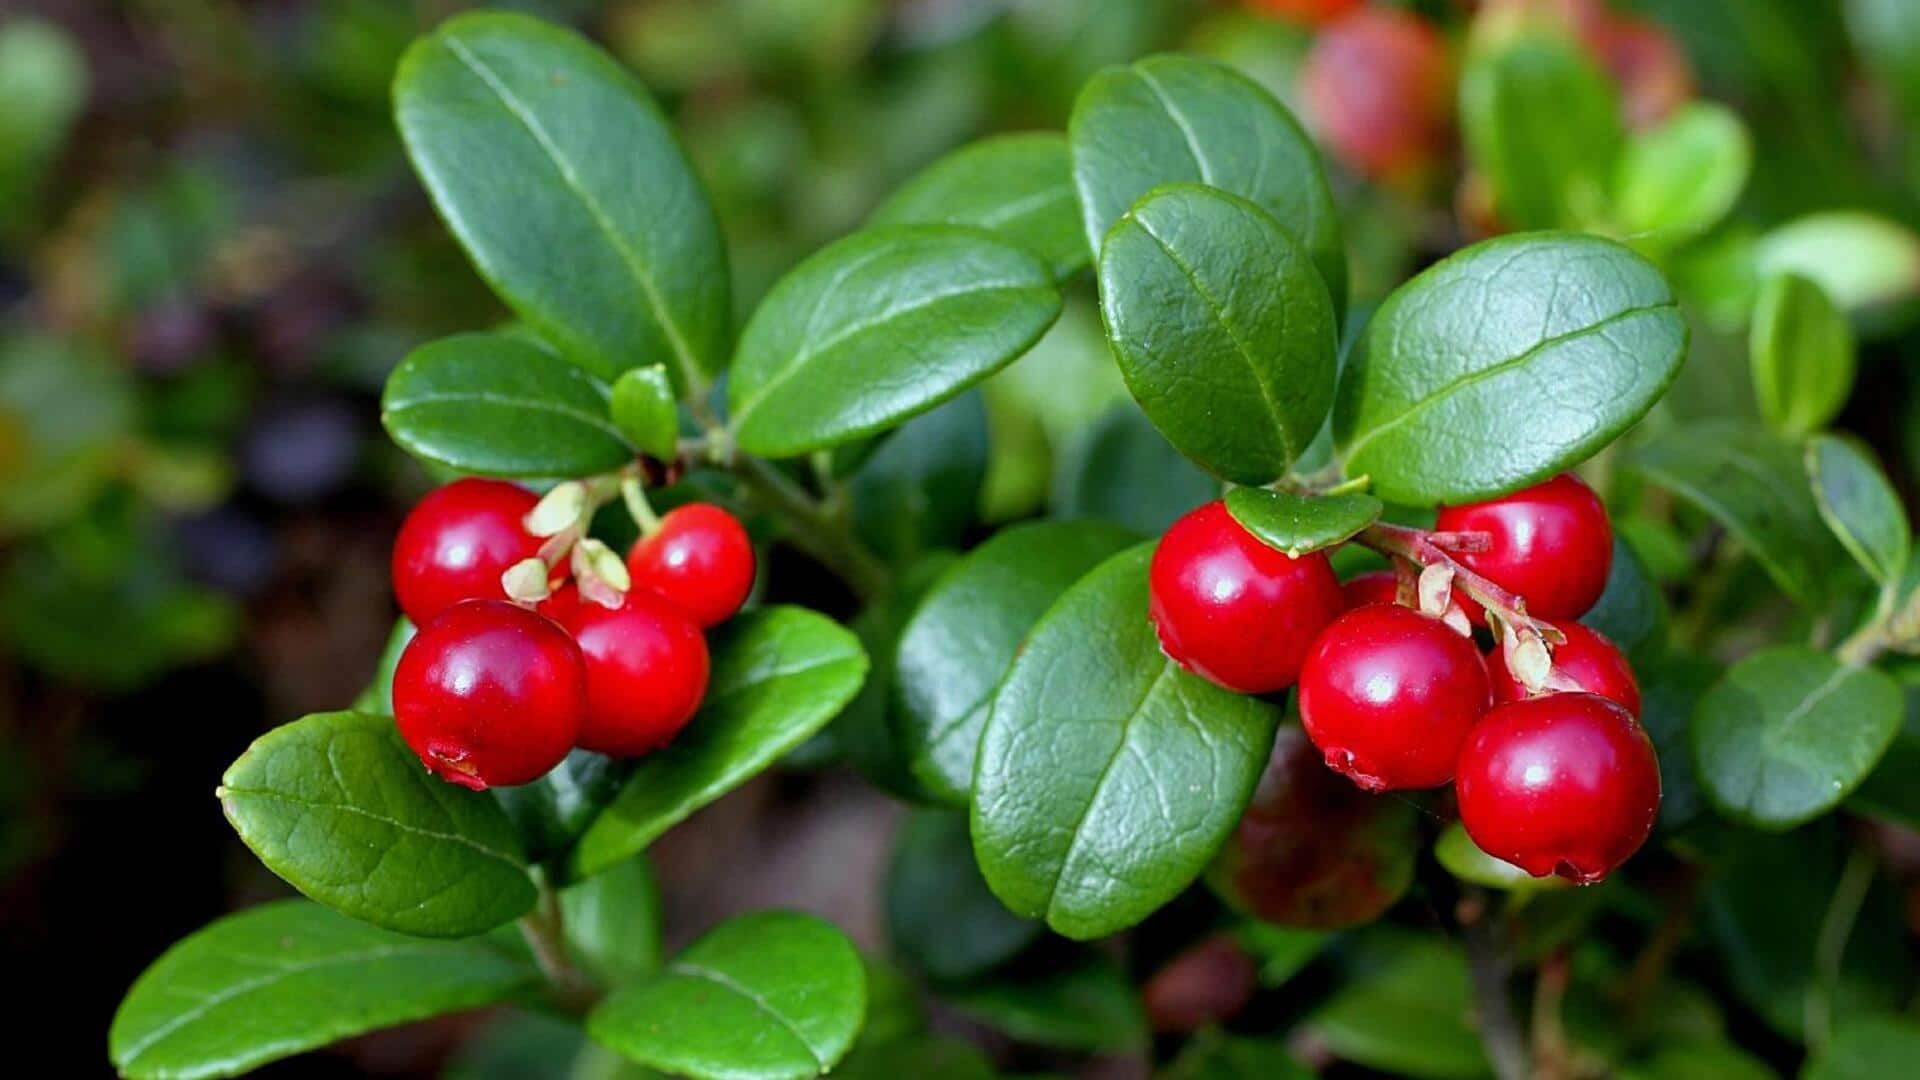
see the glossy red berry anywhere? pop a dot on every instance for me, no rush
(1377, 85)
(646, 669)
(1564, 784)
(1389, 694)
(1372, 587)
(1550, 544)
(1231, 609)
(455, 544)
(700, 559)
(489, 694)
(1587, 660)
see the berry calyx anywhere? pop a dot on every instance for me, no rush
(1564, 784)
(1389, 695)
(489, 694)
(457, 542)
(699, 559)
(1549, 544)
(1372, 587)
(1585, 662)
(646, 669)
(1378, 87)
(1233, 610)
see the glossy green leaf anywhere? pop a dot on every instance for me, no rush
(1802, 353)
(920, 490)
(941, 918)
(1788, 732)
(1866, 1048)
(1504, 364)
(336, 804)
(774, 995)
(377, 695)
(563, 181)
(498, 406)
(1541, 124)
(880, 326)
(1019, 187)
(779, 674)
(1107, 775)
(1405, 1009)
(1214, 1056)
(643, 409)
(1086, 1004)
(1121, 469)
(1859, 504)
(290, 976)
(1223, 330)
(1174, 119)
(551, 813)
(959, 642)
(1298, 524)
(1679, 179)
(1462, 858)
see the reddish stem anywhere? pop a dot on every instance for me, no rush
(1422, 548)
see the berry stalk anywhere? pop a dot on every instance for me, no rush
(1426, 549)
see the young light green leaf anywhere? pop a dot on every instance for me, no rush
(1504, 364)
(336, 804)
(959, 642)
(1542, 126)
(1086, 1004)
(1019, 187)
(498, 406)
(1223, 330)
(1788, 732)
(1869, 265)
(1298, 524)
(564, 182)
(1173, 119)
(880, 326)
(774, 995)
(1859, 504)
(1678, 180)
(779, 674)
(1462, 858)
(285, 977)
(1802, 352)
(1405, 1009)
(1107, 775)
(644, 410)
(1121, 469)
(612, 921)
(941, 918)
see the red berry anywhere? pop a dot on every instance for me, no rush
(699, 559)
(1388, 695)
(1588, 660)
(1551, 545)
(646, 669)
(1564, 784)
(455, 544)
(1231, 609)
(489, 694)
(1378, 87)
(1372, 587)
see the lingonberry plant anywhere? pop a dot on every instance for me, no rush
(1177, 728)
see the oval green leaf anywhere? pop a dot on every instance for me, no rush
(880, 326)
(1019, 187)
(1859, 504)
(643, 408)
(1222, 329)
(1298, 524)
(1679, 179)
(941, 918)
(920, 490)
(1504, 364)
(1802, 354)
(499, 406)
(337, 805)
(1868, 264)
(1462, 858)
(1406, 1009)
(1542, 126)
(1121, 469)
(1107, 775)
(564, 182)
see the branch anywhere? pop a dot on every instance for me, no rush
(811, 527)
(545, 932)
(1499, 1029)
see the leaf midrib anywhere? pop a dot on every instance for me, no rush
(229, 791)
(727, 982)
(487, 397)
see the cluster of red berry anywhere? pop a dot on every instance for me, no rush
(1551, 768)
(491, 692)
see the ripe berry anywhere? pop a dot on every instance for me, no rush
(1551, 545)
(1231, 609)
(646, 669)
(1378, 86)
(1587, 659)
(699, 559)
(1388, 695)
(489, 694)
(1564, 784)
(1372, 587)
(455, 544)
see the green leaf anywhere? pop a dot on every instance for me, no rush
(1678, 180)
(285, 977)
(1889, 792)
(1087, 1004)
(1107, 775)
(65, 414)
(1172, 119)
(1788, 732)
(1866, 1048)
(1121, 469)
(1869, 265)
(1214, 1056)
(1224, 333)
(1462, 858)
(1631, 612)
(1019, 187)
(958, 644)
(1859, 504)
(1542, 126)
(941, 918)
(1298, 524)
(377, 696)
(563, 181)
(880, 326)
(1752, 483)
(774, 995)
(920, 489)
(643, 409)
(336, 804)
(1282, 951)
(779, 674)
(613, 921)
(551, 813)
(1504, 364)
(498, 406)
(43, 74)
(1802, 353)
(1407, 1009)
